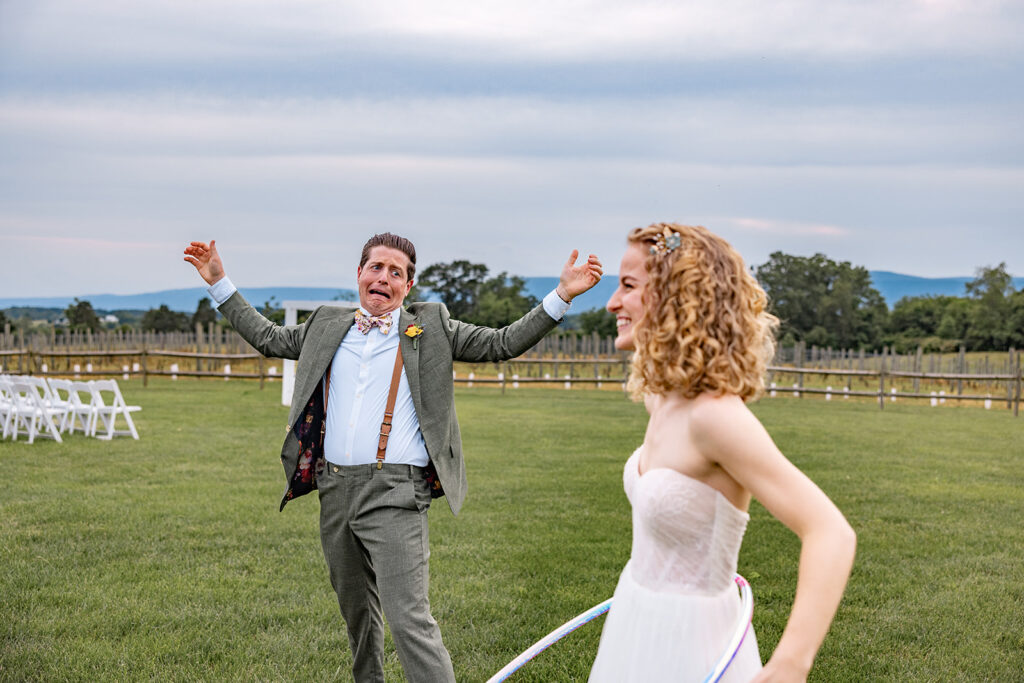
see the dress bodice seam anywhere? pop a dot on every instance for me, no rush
(640, 475)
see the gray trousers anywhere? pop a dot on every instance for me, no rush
(373, 527)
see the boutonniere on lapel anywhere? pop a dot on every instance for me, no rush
(413, 332)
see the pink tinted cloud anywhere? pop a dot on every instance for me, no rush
(788, 227)
(83, 243)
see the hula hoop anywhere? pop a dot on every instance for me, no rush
(742, 628)
(549, 640)
(735, 643)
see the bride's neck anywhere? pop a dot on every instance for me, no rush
(656, 403)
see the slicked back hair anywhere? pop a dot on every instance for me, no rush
(386, 239)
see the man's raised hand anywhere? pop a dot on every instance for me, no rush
(206, 260)
(577, 279)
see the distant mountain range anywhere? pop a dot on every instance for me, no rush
(892, 286)
(184, 300)
(895, 286)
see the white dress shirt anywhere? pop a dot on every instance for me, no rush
(360, 381)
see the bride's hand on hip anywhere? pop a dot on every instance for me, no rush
(780, 672)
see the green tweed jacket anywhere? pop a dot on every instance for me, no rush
(428, 366)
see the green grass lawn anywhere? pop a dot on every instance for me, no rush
(166, 559)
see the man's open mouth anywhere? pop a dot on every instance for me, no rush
(380, 293)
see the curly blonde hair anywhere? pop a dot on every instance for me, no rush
(705, 326)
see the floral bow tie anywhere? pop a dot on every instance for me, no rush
(365, 322)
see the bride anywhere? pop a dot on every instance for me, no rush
(696, 320)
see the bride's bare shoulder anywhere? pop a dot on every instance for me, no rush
(713, 416)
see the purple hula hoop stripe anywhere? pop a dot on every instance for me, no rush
(735, 643)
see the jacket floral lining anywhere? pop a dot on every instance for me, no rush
(309, 429)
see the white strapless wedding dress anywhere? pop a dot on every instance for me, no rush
(676, 605)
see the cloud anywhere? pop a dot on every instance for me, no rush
(696, 129)
(506, 133)
(86, 244)
(597, 50)
(786, 227)
(494, 30)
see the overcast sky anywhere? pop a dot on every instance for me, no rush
(884, 133)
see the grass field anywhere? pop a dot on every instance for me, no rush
(166, 559)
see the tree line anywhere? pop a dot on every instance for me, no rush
(818, 301)
(827, 303)
(80, 316)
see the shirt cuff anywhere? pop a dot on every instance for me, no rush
(554, 306)
(221, 290)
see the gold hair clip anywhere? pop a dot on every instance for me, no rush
(667, 241)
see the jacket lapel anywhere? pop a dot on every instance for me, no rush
(410, 356)
(327, 345)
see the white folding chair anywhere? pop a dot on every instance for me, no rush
(31, 413)
(49, 399)
(80, 413)
(107, 413)
(59, 396)
(6, 403)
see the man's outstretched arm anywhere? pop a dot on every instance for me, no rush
(476, 343)
(269, 339)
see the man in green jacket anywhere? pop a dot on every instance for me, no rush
(376, 473)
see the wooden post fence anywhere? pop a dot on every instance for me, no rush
(39, 358)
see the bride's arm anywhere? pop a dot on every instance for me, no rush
(727, 433)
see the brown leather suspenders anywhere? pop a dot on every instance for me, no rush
(389, 411)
